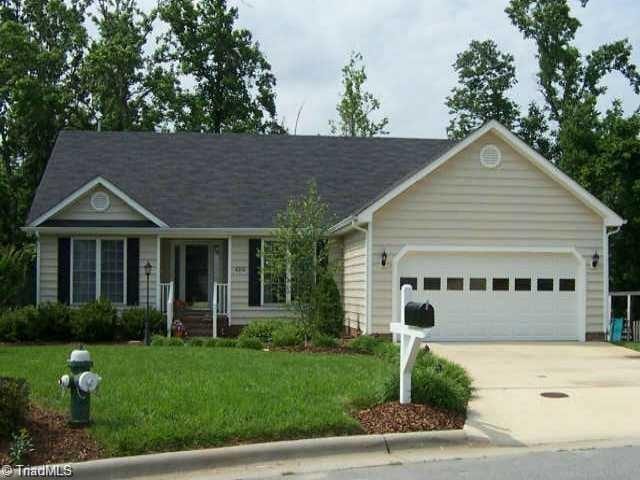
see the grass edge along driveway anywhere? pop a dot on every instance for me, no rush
(164, 398)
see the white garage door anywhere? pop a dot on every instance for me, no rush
(496, 296)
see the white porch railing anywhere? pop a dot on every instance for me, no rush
(220, 303)
(167, 298)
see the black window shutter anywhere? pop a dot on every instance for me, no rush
(254, 272)
(64, 270)
(133, 271)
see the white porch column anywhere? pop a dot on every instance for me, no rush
(229, 283)
(158, 272)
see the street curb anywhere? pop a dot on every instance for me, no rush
(173, 463)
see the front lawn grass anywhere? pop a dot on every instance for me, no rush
(174, 398)
(631, 345)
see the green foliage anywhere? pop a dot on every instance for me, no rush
(364, 344)
(226, 342)
(19, 325)
(14, 263)
(288, 334)
(158, 341)
(131, 323)
(94, 321)
(322, 340)
(14, 405)
(250, 343)
(196, 342)
(328, 311)
(174, 342)
(356, 104)
(55, 319)
(261, 329)
(234, 86)
(128, 87)
(485, 75)
(434, 381)
(21, 446)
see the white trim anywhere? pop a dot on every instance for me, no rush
(107, 200)
(38, 257)
(177, 233)
(609, 216)
(605, 279)
(86, 188)
(158, 273)
(581, 274)
(370, 265)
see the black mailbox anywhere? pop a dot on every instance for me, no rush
(419, 315)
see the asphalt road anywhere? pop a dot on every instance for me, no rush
(591, 464)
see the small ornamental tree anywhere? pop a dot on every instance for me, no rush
(299, 257)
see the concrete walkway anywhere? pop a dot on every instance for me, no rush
(602, 382)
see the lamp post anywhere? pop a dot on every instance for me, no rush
(147, 272)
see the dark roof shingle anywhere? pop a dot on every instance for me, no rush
(232, 180)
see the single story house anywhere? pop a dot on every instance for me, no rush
(501, 242)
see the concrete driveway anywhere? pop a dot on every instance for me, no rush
(602, 382)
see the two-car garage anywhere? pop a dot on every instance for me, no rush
(486, 294)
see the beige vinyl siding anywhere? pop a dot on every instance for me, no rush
(354, 279)
(81, 209)
(241, 312)
(148, 251)
(48, 268)
(463, 203)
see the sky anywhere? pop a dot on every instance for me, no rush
(408, 48)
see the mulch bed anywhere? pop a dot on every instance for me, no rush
(392, 417)
(54, 440)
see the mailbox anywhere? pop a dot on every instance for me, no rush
(419, 315)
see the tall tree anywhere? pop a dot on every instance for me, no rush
(42, 45)
(485, 76)
(356, 105)
(129, 89)
(234, 85)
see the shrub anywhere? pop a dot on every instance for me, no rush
(55, 321)
(158, 341)
(14, 263)
(20, 324)
(174, 342)
(227, 342)
(328, 311)
(212, 342)
(251, 343)
(21, 446)
(321, 340)
(196, 342)
(434, 381)
(131, 323)
(364, 344)
(288, 334)
(261, 329)
(14, 405)
(94, 321)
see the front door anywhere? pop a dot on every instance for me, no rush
(197, 276)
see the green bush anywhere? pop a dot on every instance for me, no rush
(434, 381)
(20, 324)
(321, 340)
(261, 329)
(288, 334)
(158, 341)
(131, 323)
(251, 343)
(212, 342)
(14, 405)
(226, 342)
(365, 344)
(14, 263)
(55, 321)
(196, 342)
(327, 306)
(94, 322)
(174, 342)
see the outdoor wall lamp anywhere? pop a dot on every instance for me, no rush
(383, 259)
(595, 259)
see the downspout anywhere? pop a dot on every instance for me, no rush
(367, 240)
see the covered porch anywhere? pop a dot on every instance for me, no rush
(194, 284)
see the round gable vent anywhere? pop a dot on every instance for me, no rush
(490, 156)
(100, 201)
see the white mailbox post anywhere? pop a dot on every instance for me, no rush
(410, 340)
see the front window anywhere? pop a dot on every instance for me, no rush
(274, 285)
(84, 271)
(112, 270)
(98, 270)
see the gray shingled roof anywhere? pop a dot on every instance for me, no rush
(233, 180)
